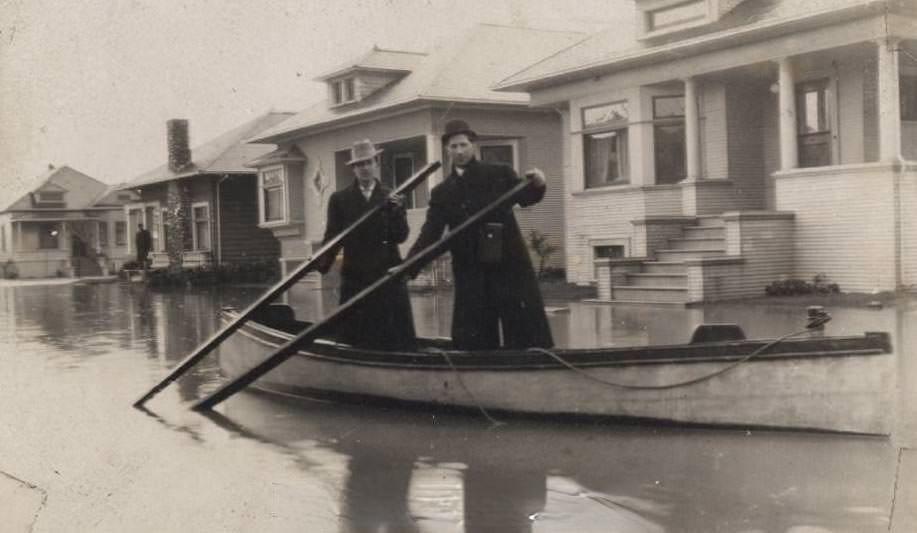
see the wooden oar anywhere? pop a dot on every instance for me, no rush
(310, 334)
(279, 288)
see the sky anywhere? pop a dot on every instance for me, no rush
(91, 84)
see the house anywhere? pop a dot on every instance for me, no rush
(63, 224)
(200, 207)
(401, 100)
(727, 144)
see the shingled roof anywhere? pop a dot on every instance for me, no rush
(225, 154)
(459, 70)
(81, 190)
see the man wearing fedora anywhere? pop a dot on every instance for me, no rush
(384, 321)
(496, 292)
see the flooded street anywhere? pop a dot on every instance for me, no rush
(76, 356)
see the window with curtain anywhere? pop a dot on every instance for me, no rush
(605, 160)
(813, 123)
(273, 195)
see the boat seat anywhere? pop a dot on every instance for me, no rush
(278, 316)
(717, 333)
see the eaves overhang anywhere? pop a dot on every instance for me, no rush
(377, 113)
(696, 46)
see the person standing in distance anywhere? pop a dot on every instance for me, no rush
(496, 292)
(143, 241)
(383, 321)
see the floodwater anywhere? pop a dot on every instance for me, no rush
(76, 356)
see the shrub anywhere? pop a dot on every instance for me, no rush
(796, 287)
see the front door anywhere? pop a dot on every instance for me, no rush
(813, 120)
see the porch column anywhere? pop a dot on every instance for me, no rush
(889, 100)
(435, 153)
(692, 132)
(789, 151)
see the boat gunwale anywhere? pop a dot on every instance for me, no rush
(524, 360)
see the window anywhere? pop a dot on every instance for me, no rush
(605, 145)
(200, 225)
(813, 125)
(606, 252)
(501, 152)
(54, 197)
(669, 138)
(273, 204)
(120, 233)
(677, 15)
(343, 91)
(908, 89)
(103, 234)
(48, 235)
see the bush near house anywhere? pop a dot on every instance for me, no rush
(256, 272)
(820, 284)
(543, 249)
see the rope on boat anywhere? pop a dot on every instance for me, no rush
(677, 384)
(458, 377)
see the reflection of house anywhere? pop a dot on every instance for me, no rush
(401, 100)
(201, 206)
(730, 143)
(64, 224)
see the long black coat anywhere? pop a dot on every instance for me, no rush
(384, 321)
(488, 296)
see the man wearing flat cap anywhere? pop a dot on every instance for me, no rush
(497, 299)
(384, 321)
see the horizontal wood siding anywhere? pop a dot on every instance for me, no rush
(908, 209)
(844, 225)
(598, 215)
(714, 132)
(241, 240)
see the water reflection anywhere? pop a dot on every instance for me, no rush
(410, 472)
(401, 471)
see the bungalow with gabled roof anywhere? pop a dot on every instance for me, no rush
(401, 101)
(727, 144)
(63, 224)
(200, 207)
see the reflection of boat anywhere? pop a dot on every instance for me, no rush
(575, 477)
(814, 382)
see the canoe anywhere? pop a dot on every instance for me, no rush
(810, 382)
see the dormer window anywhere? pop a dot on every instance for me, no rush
(343, 91)
(48, 198)
(656, 18)
(677, 15)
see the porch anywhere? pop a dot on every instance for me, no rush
(788, 168)
(62, 245)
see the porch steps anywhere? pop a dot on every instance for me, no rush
(664, 279)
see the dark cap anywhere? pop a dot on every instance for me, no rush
(458, 127)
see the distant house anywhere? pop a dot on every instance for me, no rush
(64, 224)
(727, 144)
(201, 207)
(401, 100)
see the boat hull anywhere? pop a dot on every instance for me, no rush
(842, 384)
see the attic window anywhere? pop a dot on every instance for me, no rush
(343, 91)
(677, 15)
(49, 197)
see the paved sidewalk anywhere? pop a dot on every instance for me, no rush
(19, 504)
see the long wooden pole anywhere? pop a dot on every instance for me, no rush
(312, 333)
(300, 271)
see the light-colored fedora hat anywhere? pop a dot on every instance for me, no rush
(363, 150)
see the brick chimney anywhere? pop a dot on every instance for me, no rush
(177, 144)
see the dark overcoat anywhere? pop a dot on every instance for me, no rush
(384, 321)
(488, 296)
(143, 241)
